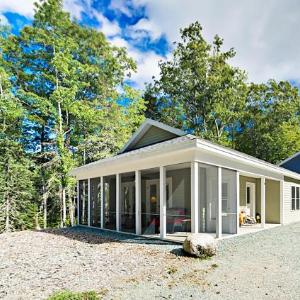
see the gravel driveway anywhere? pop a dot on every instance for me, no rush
(264, 265)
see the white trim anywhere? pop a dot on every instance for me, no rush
(219, 205)
(162, 199)
(144, 128)
(237, 202)
(118, 192)
(102, 202)
(78, 211)
(195, 197)
(263, 201)
(245, 158)
(281, 191)
(289, 158)
(138, 196)
(89, 201)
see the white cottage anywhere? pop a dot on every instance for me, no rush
(166, 183)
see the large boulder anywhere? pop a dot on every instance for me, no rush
(200, 245)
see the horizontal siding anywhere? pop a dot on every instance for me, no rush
(289, 214)
(152, 136)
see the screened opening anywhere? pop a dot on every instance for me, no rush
(229, 201)
(178, 199)
(208, 195)
(83, 202)
(150, 206)
(95, 202)
(109, 209)
(127, 202)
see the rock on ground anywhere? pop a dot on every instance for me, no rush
(200, 245)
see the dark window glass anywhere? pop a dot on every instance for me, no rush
(83, 202)
(95, 202)
(248, 195)
(293, 198)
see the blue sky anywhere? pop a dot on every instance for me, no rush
(265, 33)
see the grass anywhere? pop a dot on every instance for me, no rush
(67, 295)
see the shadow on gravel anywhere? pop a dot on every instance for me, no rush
(100, 236)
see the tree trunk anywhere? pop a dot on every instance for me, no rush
(64, 205)
(45, 210)
(7, 212)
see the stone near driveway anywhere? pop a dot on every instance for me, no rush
(200, 245)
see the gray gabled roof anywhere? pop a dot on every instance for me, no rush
(144, 128)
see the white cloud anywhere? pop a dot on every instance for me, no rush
(22, 7)
(143, 28)
(109, 28)
(3, 20)
(264, 33)
(147, 62)
(75, 8)
(121, 6)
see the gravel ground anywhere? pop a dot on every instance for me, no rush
(33, 265)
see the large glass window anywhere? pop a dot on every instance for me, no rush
(150, 206)
(127, 202)
(95, 202)
(109, 209)
(83, 202)
(178, 197)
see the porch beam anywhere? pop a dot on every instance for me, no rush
(195, 197)
(237, 202)
(219, 205)
(102, 202)
(118, 191)
(281, 202)
(138, 221)
(89, 201)
(78, 210)
(162, 197)
(263, 201)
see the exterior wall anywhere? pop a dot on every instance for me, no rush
(256, 181)
(272, 201)
(289, 215)
(293, 164)
(152, 136)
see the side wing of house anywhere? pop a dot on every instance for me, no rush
(292, 163)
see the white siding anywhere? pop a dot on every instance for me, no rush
(289, 215)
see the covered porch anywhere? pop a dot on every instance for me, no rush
(171, 201)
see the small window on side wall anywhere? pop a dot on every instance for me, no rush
(293, 198)
(297, 198)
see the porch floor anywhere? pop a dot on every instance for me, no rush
(179, 237)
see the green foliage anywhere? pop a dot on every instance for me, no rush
(66, 80)
(201, 92)
(198, 89)
(66, 295)
(270, 126)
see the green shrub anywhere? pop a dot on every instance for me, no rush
(66, 295)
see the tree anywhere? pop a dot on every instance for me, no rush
(198, 90)
(270, 127)
(67, 77)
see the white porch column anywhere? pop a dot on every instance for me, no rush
(263, 201)
(102, 202)
(78, 210)
(281, 202)
(162, 197)
(195, 197)
(89, 202)
(219, 205)
(237, 202)
(138, 185)
(118, 190)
